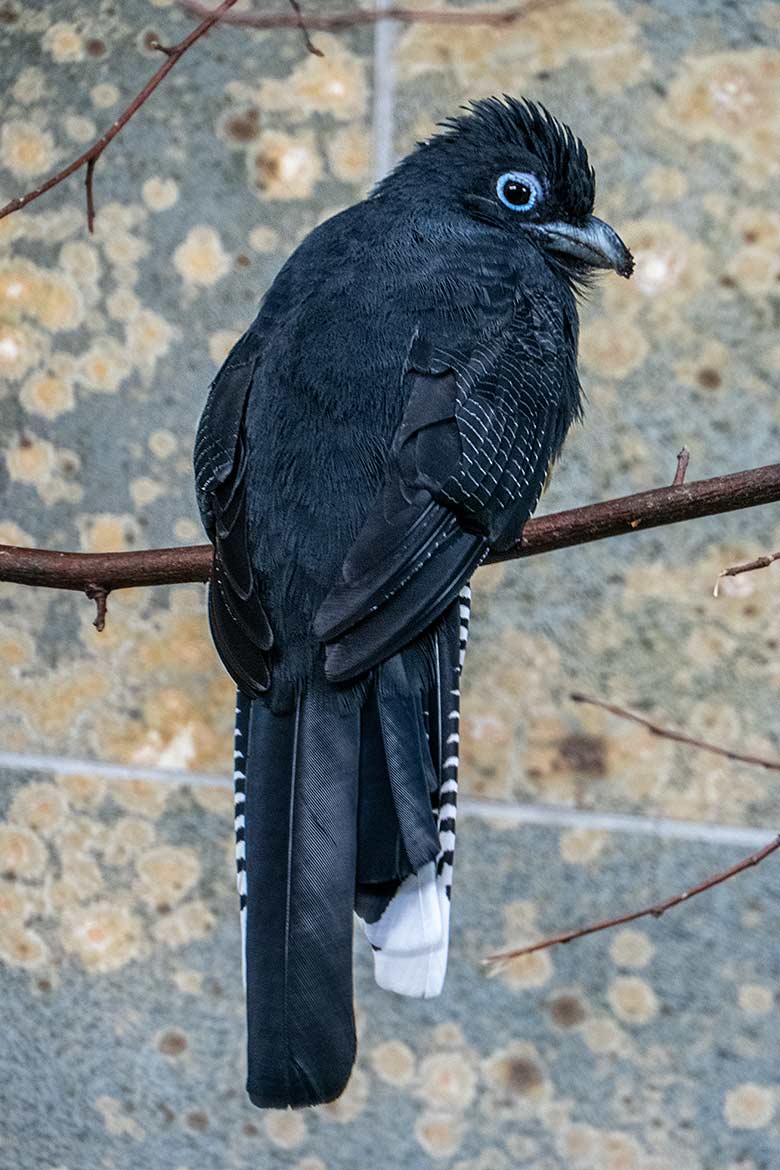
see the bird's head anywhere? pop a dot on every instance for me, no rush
(512, 165)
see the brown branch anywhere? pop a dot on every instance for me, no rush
(335, 21)
(683, 459)
(655, 911)
(651, 509)
(678, 736)
(109, 571)
(310, 46)
(90, 156)
(172, 566)
(762, 562)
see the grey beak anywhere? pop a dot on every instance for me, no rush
(595, 244)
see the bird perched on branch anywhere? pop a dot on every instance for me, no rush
(388, 418)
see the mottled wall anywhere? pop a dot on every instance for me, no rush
(118, 942)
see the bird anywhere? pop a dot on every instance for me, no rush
(385, 423)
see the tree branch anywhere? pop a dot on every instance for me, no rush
(302, 25)
(171, 566)
(651, 509)
(336, 21)
(683, 459)
(90, 156)
(655, 911)
(678, 736)
(99, 595)
(762, 562)
(108, 571)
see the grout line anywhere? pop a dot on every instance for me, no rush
(552, 816)
(74, 767)
(384, 93)
(561, 817)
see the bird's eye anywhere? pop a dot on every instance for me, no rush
(518, 191)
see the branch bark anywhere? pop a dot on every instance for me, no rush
(762, 562)
(651, 509)
(171, 566)
(107, 571)
(683, 459)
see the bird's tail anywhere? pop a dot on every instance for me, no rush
(339, 808)
(408, 926)
(296, 806)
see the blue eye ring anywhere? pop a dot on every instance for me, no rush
(518, 190)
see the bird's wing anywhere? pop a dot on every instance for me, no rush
(465, 472)
(239, 624)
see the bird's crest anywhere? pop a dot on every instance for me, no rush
(530, 126)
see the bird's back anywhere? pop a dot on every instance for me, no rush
(328, 394)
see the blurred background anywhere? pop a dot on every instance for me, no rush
(650, 1048)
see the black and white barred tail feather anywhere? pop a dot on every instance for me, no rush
(241, 737)
(411, 939)
(448, 792)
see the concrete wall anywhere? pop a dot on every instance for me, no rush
(122, 1037)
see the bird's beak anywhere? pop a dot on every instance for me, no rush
(595, 244)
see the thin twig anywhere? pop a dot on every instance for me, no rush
(678, 736)
(170, 566)
(88, 183)
(311, 47)
(655, 911)
(762, 562)
(90, 156)
(168, 50)
(99, 595)
(335, 21)
(683, 459)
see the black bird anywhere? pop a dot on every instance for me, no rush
(388, 418)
